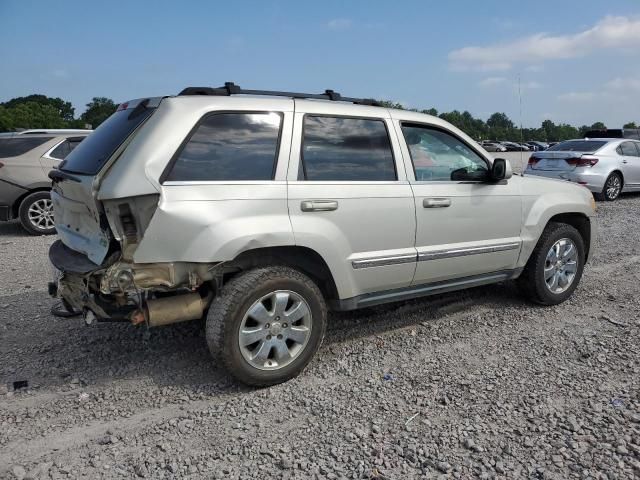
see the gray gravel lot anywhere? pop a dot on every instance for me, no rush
(476, 384)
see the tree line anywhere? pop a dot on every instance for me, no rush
(40, 111)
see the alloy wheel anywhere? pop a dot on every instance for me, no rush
(40, 214)
(613, 187)
(561, 265)
(275, 330)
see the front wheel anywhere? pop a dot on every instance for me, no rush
(266, 324)
(36, 214)
(555, 266)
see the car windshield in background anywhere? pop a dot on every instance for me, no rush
(91, 155)
(13, 147)
(577, 146)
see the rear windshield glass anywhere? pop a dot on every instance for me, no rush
(89, 157)
(12, 147)
(577, 146)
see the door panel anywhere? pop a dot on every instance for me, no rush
(479, 232)
(370, 234)
(631, 165)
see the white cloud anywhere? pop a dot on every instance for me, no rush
(534, 68)
(492, 81)
(339, 24)
(532, 85)
(624, 84)
(578, 97)
(610, 32)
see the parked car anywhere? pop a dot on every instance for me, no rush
(631, 133)
(25, 159)
(493, 146)
(605, 166)
(262, 212)
(537, 146)
(515, 147)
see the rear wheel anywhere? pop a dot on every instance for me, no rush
(36, 214)
(266, 324)
(555, 266)
(612, 188)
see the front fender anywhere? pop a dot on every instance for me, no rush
(544, 201)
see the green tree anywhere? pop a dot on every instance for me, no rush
(630, 125)
(598, 126)
(64, 109)
(30, 115)
(98, 110)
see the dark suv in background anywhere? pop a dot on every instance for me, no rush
(25, 160)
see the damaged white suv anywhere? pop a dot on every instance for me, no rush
(262, 210)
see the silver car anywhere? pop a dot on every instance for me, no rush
(261, 212)
(605, 166)
(25, 160)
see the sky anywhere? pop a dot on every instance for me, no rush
(576, 61)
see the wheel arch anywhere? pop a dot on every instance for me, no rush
(580, 222)
(304, 259)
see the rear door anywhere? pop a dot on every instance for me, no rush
(630, 152)
(349, 199)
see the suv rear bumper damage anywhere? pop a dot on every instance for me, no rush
(154, 293)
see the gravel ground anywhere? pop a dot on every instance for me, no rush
(476, 384)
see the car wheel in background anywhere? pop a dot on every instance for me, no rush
(36, 214)
(555, 266)
(612, 188)
(266, 324)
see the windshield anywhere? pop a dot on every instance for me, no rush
(91, 155)
(577, 146)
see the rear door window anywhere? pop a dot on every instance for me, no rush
(91, 155)
(628, 149)
(13, 147)
(233, 146)
(346, 149)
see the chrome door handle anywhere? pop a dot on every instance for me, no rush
(624, 161)
(318, 205)
(436, 202)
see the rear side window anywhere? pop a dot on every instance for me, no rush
(65, 148)
(346, 149)
(91, 155)
(229, 146)
(12, 147)
(628, 149)
(577, 146)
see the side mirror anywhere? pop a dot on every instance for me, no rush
(501, 170)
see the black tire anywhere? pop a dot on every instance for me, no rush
(228, 310)
(35, 200)
(532, 282)
(607, 194)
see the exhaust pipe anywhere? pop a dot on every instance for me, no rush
(168, 310)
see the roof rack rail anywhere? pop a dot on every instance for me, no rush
(231, 88)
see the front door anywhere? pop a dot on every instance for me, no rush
(466, 225)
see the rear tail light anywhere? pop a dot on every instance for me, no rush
(533, 160)
(582, 161)
(122, 106)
